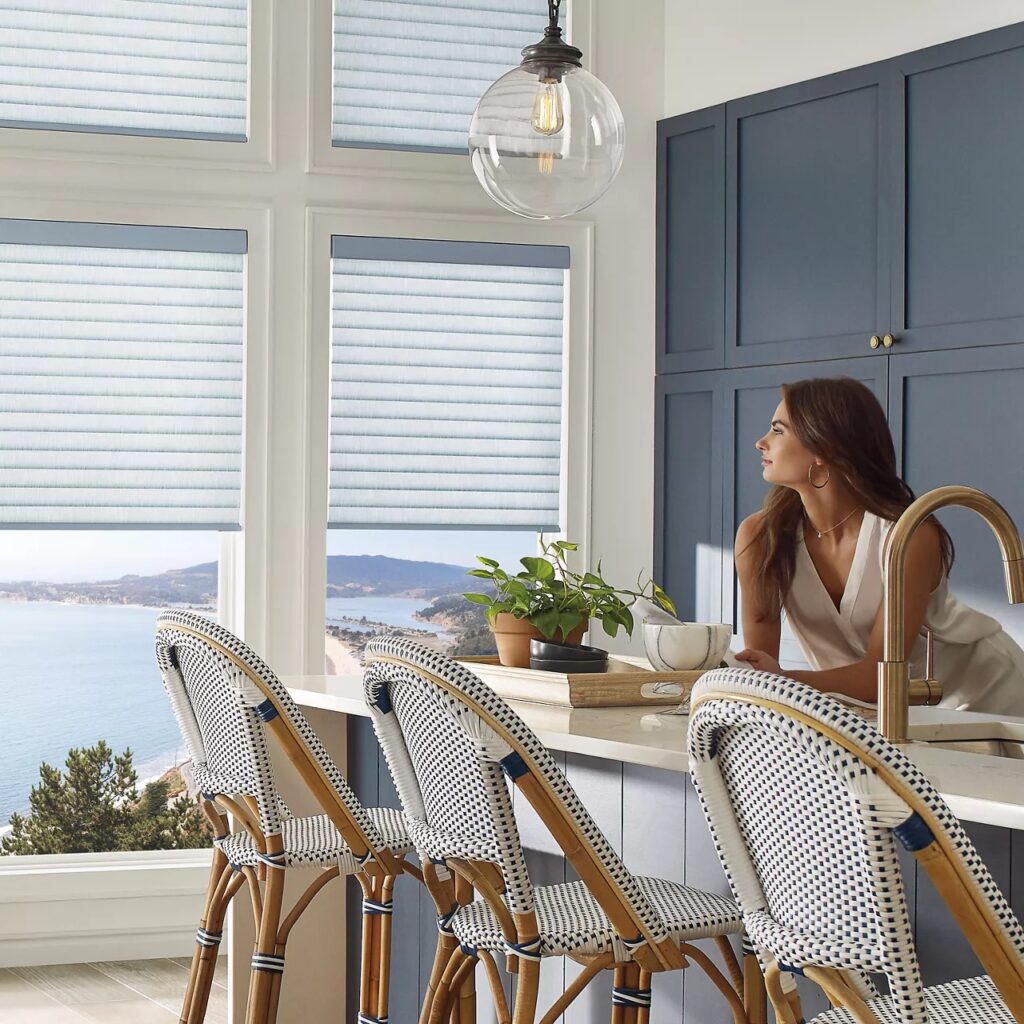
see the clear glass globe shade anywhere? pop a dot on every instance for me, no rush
(546, 149)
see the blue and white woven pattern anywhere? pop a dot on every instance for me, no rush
(570, 920)
(972, 1001)
(316, 841)
(804, 830)
(222, 716)
(448, 763)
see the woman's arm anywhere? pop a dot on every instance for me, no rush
(762, 626)
(924, 573)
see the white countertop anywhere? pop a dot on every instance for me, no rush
(976, 787)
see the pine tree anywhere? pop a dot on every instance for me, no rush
(94, 806)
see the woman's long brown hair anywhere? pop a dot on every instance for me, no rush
(839, 420)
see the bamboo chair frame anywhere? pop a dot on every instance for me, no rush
(744, 994)
(380, 868)
(972, 913)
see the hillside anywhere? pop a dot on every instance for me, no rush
(196, 585)
(351, 575)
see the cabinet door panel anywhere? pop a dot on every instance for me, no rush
(688, 493)
(806, 244)
(750, 399)
(691, 241)
(956, 420)
(959, 152)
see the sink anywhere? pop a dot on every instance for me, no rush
(989, 738)
(991, 747)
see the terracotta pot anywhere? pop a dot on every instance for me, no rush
(513, 637)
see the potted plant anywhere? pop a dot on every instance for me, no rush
(548, 599)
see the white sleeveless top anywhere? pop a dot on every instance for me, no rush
(980, 667)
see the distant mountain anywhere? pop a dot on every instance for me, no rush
(195, 585)
(347, 576)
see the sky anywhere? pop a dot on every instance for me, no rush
(74, 556)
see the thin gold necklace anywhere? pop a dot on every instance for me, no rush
(821, 533)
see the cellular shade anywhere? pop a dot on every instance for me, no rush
(120, 376)
(408, 75)
(137, 67)
(446, 384)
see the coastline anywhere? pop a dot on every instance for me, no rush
(340, 661)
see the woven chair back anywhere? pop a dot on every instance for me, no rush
(226, 699)
(451, 744)
(807, 804)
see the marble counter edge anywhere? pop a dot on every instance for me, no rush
(978, 788)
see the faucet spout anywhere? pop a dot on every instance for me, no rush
(893, 674)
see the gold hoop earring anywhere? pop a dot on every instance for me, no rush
(828, 476)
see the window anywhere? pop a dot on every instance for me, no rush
(446, 430)
(77, 612)
(122, 375)
(120, 410)
(128, 68)
(408, 75)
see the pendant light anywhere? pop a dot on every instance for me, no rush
(547, 138)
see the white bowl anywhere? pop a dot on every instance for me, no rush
(687, 646)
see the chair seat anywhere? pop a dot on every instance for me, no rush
(972, 1001)
(570, 920)
(316, 841)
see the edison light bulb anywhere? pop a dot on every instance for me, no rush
(547, 117)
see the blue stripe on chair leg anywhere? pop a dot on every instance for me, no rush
(631, 997)
(269, 963)
(208, 939)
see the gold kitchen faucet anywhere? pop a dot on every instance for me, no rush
(895, 690)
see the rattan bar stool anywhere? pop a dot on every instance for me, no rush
(450, 743)
(226, 700)
(806, 802)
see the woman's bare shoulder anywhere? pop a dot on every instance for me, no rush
(748, 536)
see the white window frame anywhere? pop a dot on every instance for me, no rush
(64, 145)
(324, 156)
(80, 886)
(271, 576)
(322, 223)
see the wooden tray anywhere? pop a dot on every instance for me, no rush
(629, 682)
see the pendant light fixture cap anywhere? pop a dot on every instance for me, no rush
(552, 56)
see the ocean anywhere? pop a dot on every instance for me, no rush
(396, 611)
(73, 674)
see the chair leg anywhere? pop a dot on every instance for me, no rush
(465, 1008)
(375, 968)
(369, 968)
(439, 1004)
(527, 987)
(643, 1014)
(625, 978)
(781, 1004)
(755, 997)
(384, 951)
(445, 949)
(266, 960)
(223, 885)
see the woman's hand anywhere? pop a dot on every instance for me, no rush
(759, 660)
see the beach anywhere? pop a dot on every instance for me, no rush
(340, 659)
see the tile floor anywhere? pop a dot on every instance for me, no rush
(126, 992)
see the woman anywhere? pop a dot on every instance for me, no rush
(814, 551)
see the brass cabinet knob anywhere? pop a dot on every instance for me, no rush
(875, 341)
(888, 341)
